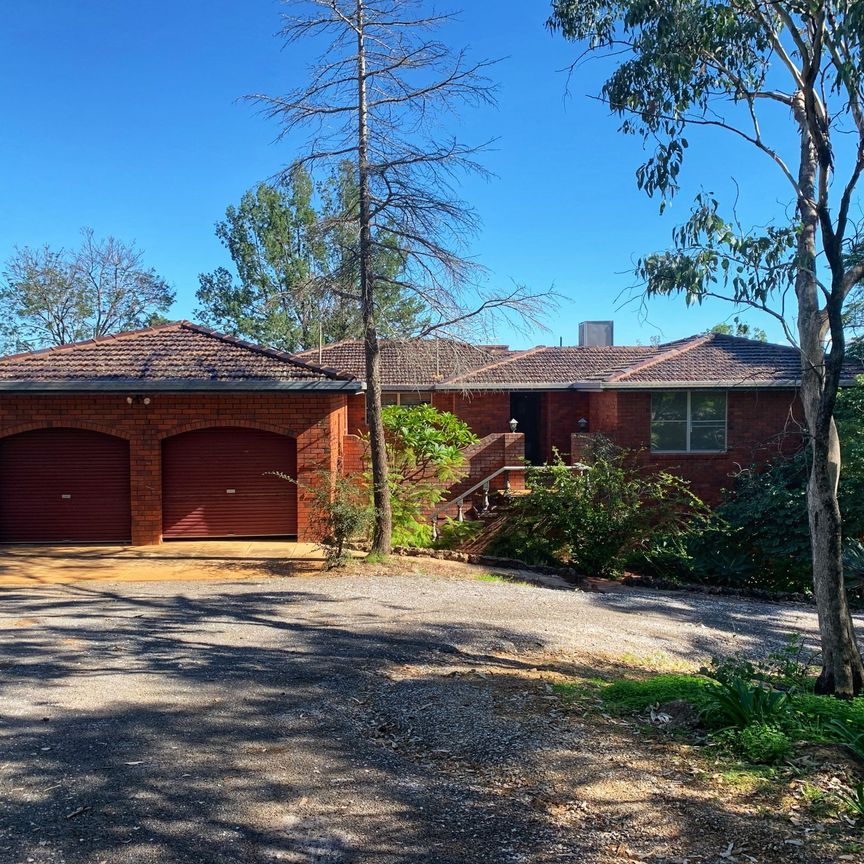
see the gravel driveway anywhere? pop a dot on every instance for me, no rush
(319, 719)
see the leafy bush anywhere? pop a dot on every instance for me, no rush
(452, 533)
(764, 744)
(594, 520)
(738, 703)
(759, 743)
(341, 512)
(759, 536)
(424, 449)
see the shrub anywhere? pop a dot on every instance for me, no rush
(452, 533)
(340, 513)
(424, 450)
(760, 743)
(594, 520)
(738, 703)
(764, 744)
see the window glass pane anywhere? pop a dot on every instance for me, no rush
(708, 437)
(389, 398)
(669, 435)
(414, 398)
(669, 406)
(708, 406)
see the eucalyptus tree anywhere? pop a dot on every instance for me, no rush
(784, 78)
(382, 95)
(293, 287)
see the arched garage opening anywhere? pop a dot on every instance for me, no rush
(64, 485)
(216, 482)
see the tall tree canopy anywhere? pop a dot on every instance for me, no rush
(294, 251)
(53, 297)
(785, 78)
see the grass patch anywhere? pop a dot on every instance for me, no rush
(749, 779)
(631, 695)
(503, 579)
(579, 692)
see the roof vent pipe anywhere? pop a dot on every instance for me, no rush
(593, 334)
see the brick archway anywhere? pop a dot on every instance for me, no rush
(227, 424)
(65, 424)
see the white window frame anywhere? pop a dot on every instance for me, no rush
(689, 421)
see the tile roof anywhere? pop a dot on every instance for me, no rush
(720, 359)
(712, 359)
(416, 363)
(554, 366)
(178, 355)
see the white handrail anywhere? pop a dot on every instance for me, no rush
(484, 484)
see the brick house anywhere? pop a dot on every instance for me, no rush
(165, 432)
(176, 431)
(700, 407)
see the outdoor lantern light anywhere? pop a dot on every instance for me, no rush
(582, 423)
(513, 424)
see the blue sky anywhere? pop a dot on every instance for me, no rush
(127, 118)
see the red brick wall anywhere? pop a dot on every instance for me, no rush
(316, 420)
(356, 413)
(760, 425)
(485, 413)
(564, 409)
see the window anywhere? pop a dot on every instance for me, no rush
(406, 399)
(688, 422)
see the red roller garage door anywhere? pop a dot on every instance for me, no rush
(64, 485)
(215, 484)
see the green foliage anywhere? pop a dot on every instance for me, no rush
(738, 703)
(849, 734)
(741, 329)
(51, 297)
(791, 668)
(424, 451)
(452, 534)
(341, 513)
(631, 695)
(853, 801)
(759, 743)
(597, 519)
(292, 245)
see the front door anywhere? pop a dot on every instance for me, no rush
(525, 409)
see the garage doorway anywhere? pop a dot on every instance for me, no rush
(217, 482)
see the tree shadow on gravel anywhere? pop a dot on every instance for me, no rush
(265, 726)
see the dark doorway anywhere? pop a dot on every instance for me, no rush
(525, 408)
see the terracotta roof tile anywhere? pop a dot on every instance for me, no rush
(420, 363)
(179, 352)
(553, 366)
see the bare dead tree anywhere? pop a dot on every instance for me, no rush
(380, 95)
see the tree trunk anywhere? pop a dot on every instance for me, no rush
(382, 534)
(842, 670)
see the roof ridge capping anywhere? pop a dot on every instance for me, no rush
(673, 349)
(517, 355)
(96, 340)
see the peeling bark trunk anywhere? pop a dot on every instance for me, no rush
(383, 531)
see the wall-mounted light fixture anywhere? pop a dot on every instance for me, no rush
(138, 400)
(582, 423)
(513, 424)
